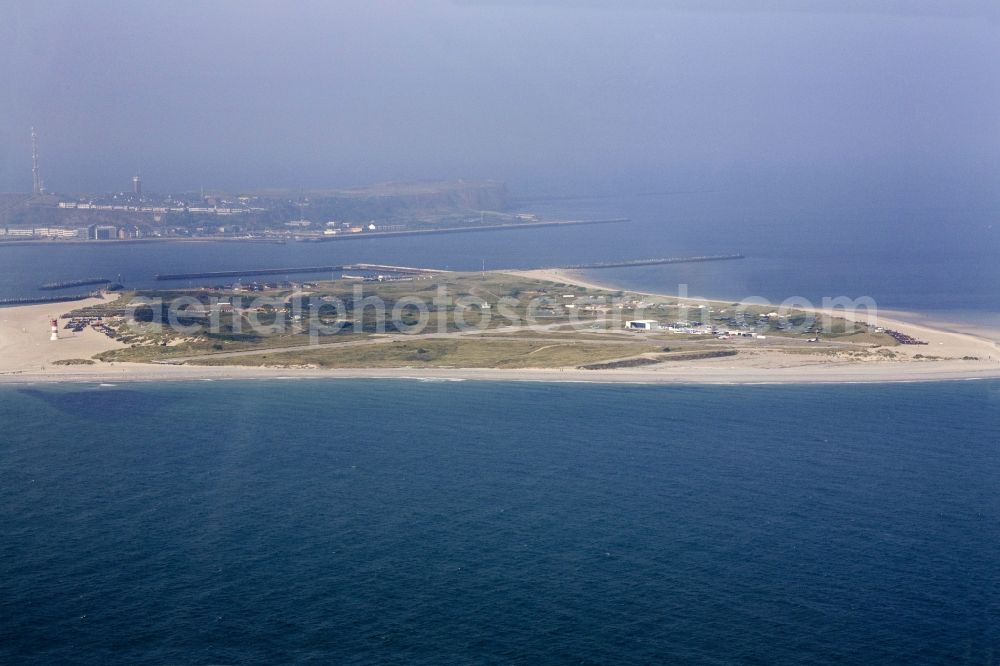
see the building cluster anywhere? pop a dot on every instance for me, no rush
(114, 232)
(333, 228)
(142, 208)
(135, 213)
(90, 232)
(121, 202)
(40, 232)
(691, 328)
(157, 205)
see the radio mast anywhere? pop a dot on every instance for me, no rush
(39, 187)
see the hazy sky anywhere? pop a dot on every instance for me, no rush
(556, 95)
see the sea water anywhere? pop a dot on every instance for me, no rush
(357, 521)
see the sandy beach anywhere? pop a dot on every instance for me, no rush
(25, 346)
(27, 356)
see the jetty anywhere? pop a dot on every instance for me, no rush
(395, 269)
(52, 286)
(654, 262)
(48, 299)
(410, 270)
(298, 270)
(511, 226)
(247, 272)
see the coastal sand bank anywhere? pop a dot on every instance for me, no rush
(27, 356)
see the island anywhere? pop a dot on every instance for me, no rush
(542, 325)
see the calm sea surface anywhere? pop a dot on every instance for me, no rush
(424, 523)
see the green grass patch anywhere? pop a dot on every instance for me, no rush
(459, 353)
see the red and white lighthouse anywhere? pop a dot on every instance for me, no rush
(55, 330)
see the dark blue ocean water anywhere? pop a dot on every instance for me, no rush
(426, 523)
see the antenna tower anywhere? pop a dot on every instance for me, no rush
(39, 188)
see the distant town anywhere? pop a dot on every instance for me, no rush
(271, 215)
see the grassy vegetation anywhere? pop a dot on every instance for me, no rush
(572, 325)
(460, 353)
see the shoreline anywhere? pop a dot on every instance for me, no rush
(27, 356)
(138, 373)
(278, 240)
